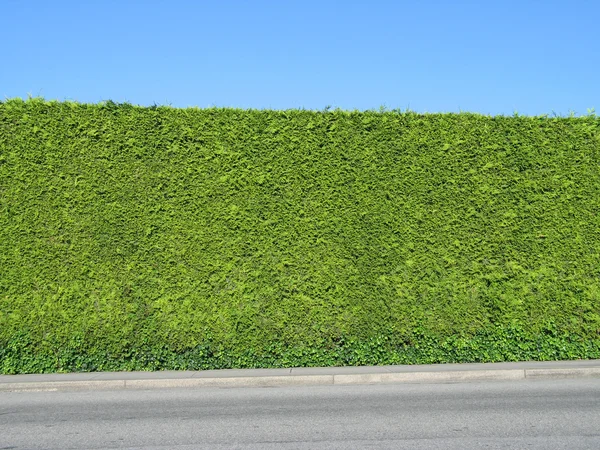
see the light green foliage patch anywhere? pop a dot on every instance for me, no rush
(156, 238)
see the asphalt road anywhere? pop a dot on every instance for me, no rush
(562, 414)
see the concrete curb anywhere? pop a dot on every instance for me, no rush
(448, 373)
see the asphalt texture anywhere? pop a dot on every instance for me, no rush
(525, 414)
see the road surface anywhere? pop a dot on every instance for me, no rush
(540, 414)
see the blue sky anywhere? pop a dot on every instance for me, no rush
(492, 57)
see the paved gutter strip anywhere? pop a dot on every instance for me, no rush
(583, 372)
(232, 382)
(442, 373)
(432, 377)
(63, 386)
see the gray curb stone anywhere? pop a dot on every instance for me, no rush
(441, 373)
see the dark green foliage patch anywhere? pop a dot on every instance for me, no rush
(163, 238)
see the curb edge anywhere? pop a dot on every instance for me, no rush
(308, 380)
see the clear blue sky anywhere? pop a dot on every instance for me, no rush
(493, 57)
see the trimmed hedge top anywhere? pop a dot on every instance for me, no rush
(125, 227)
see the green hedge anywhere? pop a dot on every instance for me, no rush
(157, 238)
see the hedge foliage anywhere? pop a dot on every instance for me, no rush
(155, 237)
